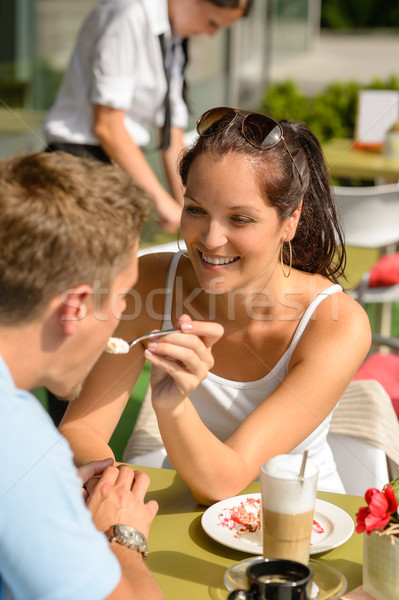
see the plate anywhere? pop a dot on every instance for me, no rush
(336, 526)
(327, 581)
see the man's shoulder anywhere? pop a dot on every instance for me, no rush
(15, 402)
(24, 421)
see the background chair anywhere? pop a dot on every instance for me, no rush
(166, 247)
(364, 437)
(383, 367)
(370, 218)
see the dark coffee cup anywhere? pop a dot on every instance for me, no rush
(275, 579)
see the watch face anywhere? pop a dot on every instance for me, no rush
(130, 534)
(125, 531)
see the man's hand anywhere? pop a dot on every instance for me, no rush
(91, 472)
(118, 497)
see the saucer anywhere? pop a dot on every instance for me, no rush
(330, 582)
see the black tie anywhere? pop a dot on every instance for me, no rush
(165, 137)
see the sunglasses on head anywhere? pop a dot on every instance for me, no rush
(259, 130)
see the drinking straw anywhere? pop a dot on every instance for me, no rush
(302, 471)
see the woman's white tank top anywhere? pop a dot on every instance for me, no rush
(223, 404)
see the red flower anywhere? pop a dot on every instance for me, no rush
(378, 512)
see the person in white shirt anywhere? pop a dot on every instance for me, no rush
(116, 86)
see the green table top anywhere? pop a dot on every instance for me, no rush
(345, 161)
(189, 565)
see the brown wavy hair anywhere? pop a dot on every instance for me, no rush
(64, 221)
(318, 245)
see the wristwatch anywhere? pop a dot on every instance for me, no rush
(129, 537)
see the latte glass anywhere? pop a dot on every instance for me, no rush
(287, 507)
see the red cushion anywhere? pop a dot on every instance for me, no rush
(386, 271)
(385, 369)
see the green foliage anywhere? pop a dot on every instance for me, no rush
(352, 14)
(331, 113)
(285, 101)
(45, 82)
(37, 91)
(395, 485)
(125, 426)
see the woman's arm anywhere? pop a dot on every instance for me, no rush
(170, 158)
(115, 140)
(325, 360)
(184, 359)
(90, 420)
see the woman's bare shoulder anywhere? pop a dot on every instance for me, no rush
(145, 301)
(341, 320)
(352, 314)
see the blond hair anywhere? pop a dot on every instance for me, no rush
(64, 221)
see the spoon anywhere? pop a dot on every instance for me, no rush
(118, 346)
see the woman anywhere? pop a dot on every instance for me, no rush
(264, 253)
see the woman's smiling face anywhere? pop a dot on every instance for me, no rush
(232, 233)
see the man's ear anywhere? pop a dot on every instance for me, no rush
(73, 307)
(292, 223)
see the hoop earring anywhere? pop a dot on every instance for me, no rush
(286, 275)
(178, 245)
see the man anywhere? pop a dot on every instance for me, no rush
(126, 75)
(68, 241)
